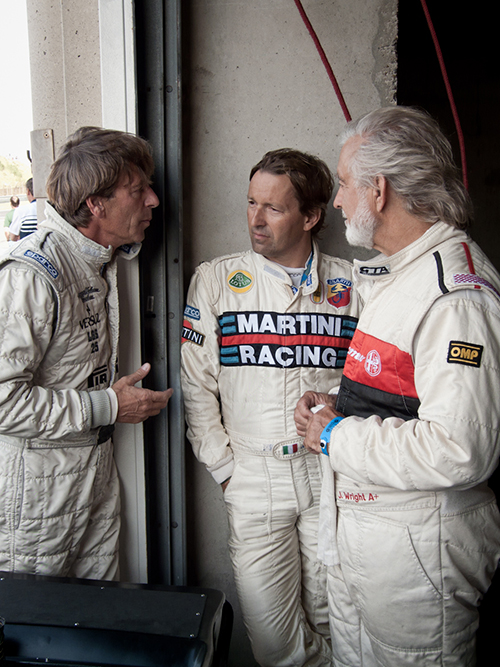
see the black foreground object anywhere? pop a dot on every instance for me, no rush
(57, 621)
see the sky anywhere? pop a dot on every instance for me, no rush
(16, 117)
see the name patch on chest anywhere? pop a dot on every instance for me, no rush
(464, 353)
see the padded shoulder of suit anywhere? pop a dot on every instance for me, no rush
(30, 251)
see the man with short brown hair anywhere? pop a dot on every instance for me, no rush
(60, 395)
(260, 327)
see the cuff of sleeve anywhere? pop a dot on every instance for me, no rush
(101, 408)
(114, 404)
(222, 470)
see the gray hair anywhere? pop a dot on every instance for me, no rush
(407, 147)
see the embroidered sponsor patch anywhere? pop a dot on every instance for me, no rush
(374, 270)
(464, 353)
(292, 449)
(43, 261)
(191, 335)
(91, 321)
(319, 294)
(472, 279)
(99, 377)
(191, 312)
(338, 292)
(240, 281)
(373, 363)
(87, 294)
(285, 339)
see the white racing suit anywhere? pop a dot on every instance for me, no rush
(418, 533)
(59, 490)
(252, 345)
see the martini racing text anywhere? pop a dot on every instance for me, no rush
(285, 339)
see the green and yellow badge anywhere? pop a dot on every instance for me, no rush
(240, 281)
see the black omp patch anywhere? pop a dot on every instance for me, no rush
(464, 353)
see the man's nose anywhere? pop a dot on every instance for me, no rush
(256, 216)
(337, 202)
(151, 199)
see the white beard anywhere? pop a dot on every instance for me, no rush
(360, 229)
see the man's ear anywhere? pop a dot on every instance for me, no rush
(312, 219)
(96, 206)
(380, 192)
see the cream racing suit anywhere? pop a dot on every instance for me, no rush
(252, 344)
(418, 528)
(59, 492)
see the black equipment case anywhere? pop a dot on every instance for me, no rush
(56, 621)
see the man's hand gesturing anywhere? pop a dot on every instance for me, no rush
(136, 404)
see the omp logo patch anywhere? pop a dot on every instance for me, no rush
(191, 335)
(464, 353)
(240, 281)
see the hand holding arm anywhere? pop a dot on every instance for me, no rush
(136, 404)
(315, 427)
(303, 412)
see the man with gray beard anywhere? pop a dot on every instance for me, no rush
(410, 528)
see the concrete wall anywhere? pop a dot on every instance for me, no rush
(65, 65)
(254, 82)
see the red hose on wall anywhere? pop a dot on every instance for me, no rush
(340, 97)
(449, 93)
(324, 60)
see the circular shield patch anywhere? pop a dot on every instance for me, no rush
(240, 281)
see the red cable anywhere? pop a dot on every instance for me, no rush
(439, 54)
(324, 60)
(449, 92)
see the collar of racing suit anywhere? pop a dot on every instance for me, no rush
(94, 252)
(310, 278)
(367, 272)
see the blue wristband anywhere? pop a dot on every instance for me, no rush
(326, 433)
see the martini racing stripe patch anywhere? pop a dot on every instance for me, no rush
(191, 335)
(464, 353)
(285, 339)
